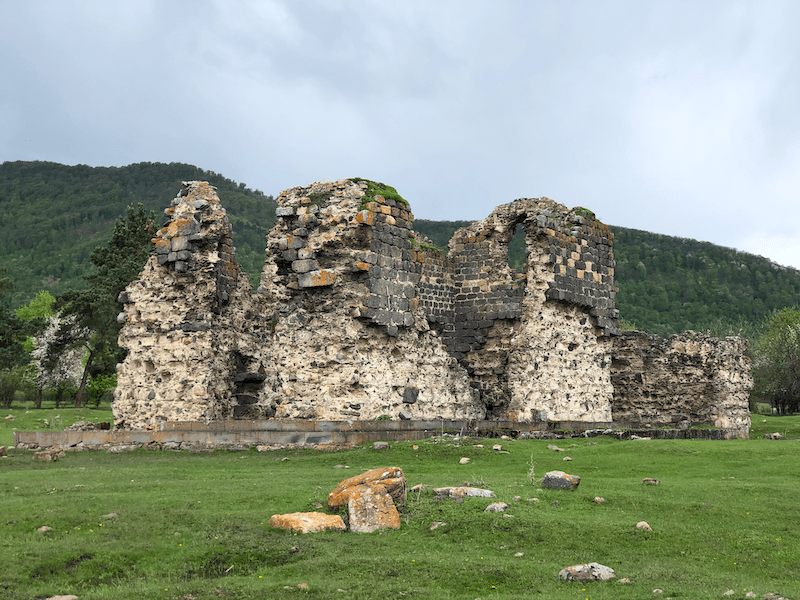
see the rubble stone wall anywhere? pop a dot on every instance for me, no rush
(687, 380)
(359, 317)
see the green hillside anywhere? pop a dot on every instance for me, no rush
(52, 216)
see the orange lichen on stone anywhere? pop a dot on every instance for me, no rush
(309, 522)
(392, 479)
(365, 217)
(362, 266)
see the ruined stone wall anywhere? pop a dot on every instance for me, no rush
(358, 317)
(350, 339)
(536, 344)
(687, 380)
(188, 321)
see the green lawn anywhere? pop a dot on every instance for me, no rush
(194, 525)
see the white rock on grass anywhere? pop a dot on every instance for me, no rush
(463, 461)
(587, 572)
(496, 507)
(644, 525)
(463, 492)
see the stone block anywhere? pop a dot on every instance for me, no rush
(319, 278)
(284, 211)
(304, 266)
(309, 522)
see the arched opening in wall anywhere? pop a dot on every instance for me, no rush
(518, 250)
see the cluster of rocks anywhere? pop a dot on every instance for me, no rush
(370, 500)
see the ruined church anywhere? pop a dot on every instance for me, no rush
(358, 317)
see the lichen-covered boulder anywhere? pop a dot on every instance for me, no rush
(371, 509)
(308, 522)
(391, 480)
(560, 481)
(370, 499)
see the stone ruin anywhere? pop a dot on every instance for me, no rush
(358, 317)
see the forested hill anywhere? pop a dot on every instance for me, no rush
(670, 284)
(52, 216)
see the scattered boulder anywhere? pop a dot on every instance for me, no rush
(307, 522)
(463, 461)
(463, 492)
(587, 572)
(644, 525)
(650, 481)
(44, 528)
(496, 507)
(380, 446)
(391, 479)
(773, 436)
(372, 509)
(47, 455)
(560, 480)
(370, 498)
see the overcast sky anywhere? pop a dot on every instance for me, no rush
(681, 118)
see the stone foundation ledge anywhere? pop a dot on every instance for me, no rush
(331, 435)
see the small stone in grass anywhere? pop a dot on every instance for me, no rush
(624, 580)
(496, 507)
(464, 461)
(650, 481)
(497, 447)
(415, 447)
(302, 585)
(44, 528)
(566, 458)
(728, 593)
(380, 446)
(517, 498)
(599, 499)
(657, 591)
(644, 525)
(437, 524)
(110, 516)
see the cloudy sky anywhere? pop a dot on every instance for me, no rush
(680, 118)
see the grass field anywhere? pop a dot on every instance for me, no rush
(726, 516)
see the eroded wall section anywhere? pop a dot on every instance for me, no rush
(686, 380)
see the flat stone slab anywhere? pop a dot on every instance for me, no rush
(461, 492)
(587, 572)
(560, 481)
(308, 522)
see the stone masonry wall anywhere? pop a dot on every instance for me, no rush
(359, 317)
(688, 379)
(536, 344)
(350, 339)
(189, 322)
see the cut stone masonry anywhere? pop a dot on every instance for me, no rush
(359, 317)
